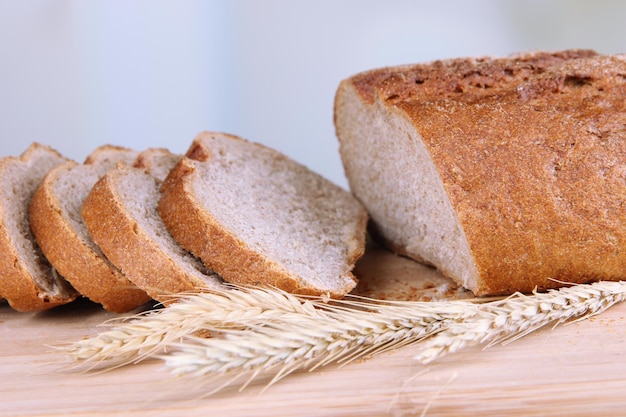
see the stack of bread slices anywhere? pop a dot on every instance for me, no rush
(126, 226)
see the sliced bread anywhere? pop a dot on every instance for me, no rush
(507, 174)
(255, 217)
(384, 275)
(55, 215)
(27, 281)
(121, 215)
(157, 162)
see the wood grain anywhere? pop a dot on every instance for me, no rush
(573, 370)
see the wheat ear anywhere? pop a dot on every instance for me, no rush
(509, 319)
(135, 338)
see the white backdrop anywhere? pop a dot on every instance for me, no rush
(75, 74)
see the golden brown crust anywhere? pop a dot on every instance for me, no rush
(532, 157)
(124, 243)
(17, 286)
(464, 79)
(87, 271)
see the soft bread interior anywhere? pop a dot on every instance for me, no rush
(72, 185)
(390, 170)
(157, 162)
(74, 182)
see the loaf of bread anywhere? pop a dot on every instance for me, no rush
(255, 216)
(56, 221)
(121, 215)
(507, 174)
(27, 280)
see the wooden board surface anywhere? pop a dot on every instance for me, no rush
(573, 370)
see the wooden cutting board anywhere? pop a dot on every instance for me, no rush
(573, 370)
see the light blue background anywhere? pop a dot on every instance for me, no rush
(78, 74)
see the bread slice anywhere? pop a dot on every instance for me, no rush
(27, 281)
(507, 174)
(121, 215)
(384, 275)
(157, 162)
(56, 221)
(256, 217)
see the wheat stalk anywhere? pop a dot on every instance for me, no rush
(506, 320)
(262, 331)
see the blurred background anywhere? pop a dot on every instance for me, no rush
(75, 74)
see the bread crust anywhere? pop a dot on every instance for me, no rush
(88, 271)
(531, 151)
(128, 247)
(17, 285)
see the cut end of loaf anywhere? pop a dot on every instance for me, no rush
(398, 182)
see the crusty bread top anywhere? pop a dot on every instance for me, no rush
(460, 79)
(27, 280)
(56, 220)
(121, 215)
(531, 151)
(255, 216)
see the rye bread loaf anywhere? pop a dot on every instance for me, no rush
(27, 281)
(255, 217)
(121, 215)
(507, 174)
(56, 221)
